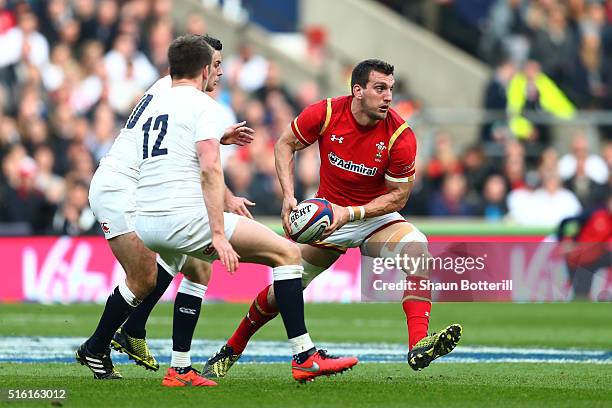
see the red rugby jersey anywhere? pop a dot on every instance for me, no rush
(355, 160)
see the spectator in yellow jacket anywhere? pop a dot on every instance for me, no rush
(532, 91)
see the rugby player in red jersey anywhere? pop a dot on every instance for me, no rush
(367, 156)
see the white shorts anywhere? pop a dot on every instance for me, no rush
(112, 199)
(357, 233)
(176, 236)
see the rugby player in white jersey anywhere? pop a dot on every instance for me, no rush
(130, 338)
(178, 147)
(112, 200)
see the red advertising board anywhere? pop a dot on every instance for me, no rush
(67, 269)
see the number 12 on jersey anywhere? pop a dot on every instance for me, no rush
(160, 121)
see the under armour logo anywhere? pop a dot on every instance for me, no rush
(339, 139)
(250, 320)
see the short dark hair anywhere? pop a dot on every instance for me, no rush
(188, 55)
(215, 43)
(361, 72)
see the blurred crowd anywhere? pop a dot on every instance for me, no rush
(70, 73)
(473, 183)
(550, 59)
(71, 70)
(557, 52)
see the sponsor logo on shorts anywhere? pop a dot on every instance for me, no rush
(349, 165)
(209, 250)
(105, 227)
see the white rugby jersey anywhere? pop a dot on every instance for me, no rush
(167, 126)
(122, 154)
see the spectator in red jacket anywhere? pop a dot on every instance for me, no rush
(591, 248)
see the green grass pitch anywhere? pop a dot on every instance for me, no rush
(573, 325)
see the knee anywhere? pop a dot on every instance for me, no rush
(415, 250)
(288, 254)
(143, 286)
(420, 261)
(201, 273)
(198, 271)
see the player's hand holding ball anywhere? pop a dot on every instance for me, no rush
(289, 204)
(341, 217)
(309, 219)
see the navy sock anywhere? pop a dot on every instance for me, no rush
(186, 314)
(290, 303)
(135, 324)
(115, 313)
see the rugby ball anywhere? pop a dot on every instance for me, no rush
(308, 221)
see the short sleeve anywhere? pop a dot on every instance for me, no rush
(402, 155)
(307, 126)
(209, 124)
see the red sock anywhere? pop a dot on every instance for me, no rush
(259, 314)
(417, 307)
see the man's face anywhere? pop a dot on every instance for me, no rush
(215, 71)
(376, 97)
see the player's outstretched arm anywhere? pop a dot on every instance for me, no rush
(238, 134)
(213, 189)
(284, 153)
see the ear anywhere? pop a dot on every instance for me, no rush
(206, 72)
(357, 91)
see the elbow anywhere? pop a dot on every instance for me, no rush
(283, 145)
(279, 145)
(209, 170)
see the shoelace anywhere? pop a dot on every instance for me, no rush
(140, 346)
(107, 363)
(324, 355)
(429, 339)
(188, 371)
(224, 352)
